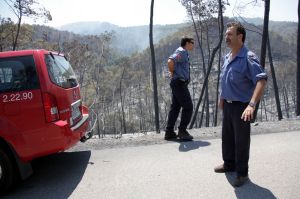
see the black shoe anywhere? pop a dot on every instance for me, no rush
(240, 180)
(184, 135)
(222, 169)
(170, 135)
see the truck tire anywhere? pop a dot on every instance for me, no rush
(8, 174)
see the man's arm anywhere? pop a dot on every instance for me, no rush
(258, 91)
(257, 94)
(171, 67)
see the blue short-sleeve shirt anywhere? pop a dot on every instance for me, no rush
(240, 75)
(181, 64)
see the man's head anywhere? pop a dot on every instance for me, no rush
(187, 43)
(235, 34)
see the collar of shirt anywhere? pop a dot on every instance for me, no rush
(242, 53)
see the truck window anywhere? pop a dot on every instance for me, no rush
(60, 71)
(18, 74)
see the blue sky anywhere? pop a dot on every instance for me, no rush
(137, 12)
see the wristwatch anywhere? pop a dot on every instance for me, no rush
(252, 104)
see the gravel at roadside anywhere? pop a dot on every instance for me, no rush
(149, 138)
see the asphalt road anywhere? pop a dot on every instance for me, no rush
(169, 170)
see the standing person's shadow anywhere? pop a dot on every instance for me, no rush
(249, 190)
(191, 145)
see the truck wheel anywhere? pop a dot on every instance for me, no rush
(8, 174)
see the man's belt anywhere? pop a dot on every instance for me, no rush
(235, 102)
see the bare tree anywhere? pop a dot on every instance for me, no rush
(274, 81)
(102, 42)
(199, 40)
(122, 101)
(6, 29)
(203, 14)
(211, 60)
(298, 64)
(26, 8)
(217, 90)
(154, 69)
(264, 44)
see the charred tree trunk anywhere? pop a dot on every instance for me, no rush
(263, 44)
(204, 70)
(217, 92)
(298, 65)
(15, 42)
(221, 24)
(155, 95)
(279, 112)
(285, 94)
(123, 121)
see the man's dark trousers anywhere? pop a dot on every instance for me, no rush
(181, 98)
(235, 138)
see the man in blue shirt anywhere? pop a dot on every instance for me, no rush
(179, 68)
(242, 84)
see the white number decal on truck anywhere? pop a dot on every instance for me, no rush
(17, 97)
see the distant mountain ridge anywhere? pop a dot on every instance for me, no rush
(98, 27)
(127, 40)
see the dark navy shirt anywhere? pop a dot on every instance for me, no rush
(240, 75)
(181, 64)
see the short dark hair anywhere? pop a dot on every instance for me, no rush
(239, 28)
(184, 40)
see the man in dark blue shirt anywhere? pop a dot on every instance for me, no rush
(242, 84)
(179, 68)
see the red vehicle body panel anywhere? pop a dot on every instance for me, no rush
(22, 114)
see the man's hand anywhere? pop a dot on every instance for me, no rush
(248, 113)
